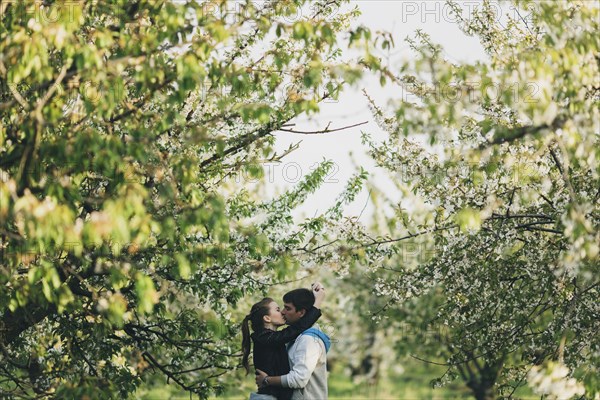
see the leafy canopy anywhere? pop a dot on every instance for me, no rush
(126, 235)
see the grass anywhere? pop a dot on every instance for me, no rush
(413, 383)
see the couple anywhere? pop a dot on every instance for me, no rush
(290, 364)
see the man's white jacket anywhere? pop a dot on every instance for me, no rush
(308, 368)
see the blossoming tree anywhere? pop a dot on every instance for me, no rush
(497, 164)
(125, 236)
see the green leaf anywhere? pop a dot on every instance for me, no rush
(468, 220)
(146, 293)
(183, 265)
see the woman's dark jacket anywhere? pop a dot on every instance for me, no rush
(270, 353)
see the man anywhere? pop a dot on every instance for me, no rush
(307, 354)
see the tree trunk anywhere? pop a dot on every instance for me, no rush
(483, 390)
(482, 378)
(13, 324)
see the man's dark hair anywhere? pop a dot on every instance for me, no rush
(302, 299)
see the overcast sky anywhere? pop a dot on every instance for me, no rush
(402, 18)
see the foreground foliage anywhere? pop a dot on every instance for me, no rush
(127, 235)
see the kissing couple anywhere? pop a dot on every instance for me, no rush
(290, 364)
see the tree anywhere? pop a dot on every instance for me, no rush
(126, 234)
(497, 162)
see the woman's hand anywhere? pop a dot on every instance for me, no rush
(260, 377)
(319, 291)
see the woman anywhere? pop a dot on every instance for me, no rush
(270, 354)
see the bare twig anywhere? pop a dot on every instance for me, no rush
(326, 130)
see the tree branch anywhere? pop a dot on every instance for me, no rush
(410, 236)
(510, 135)
(326, 130)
